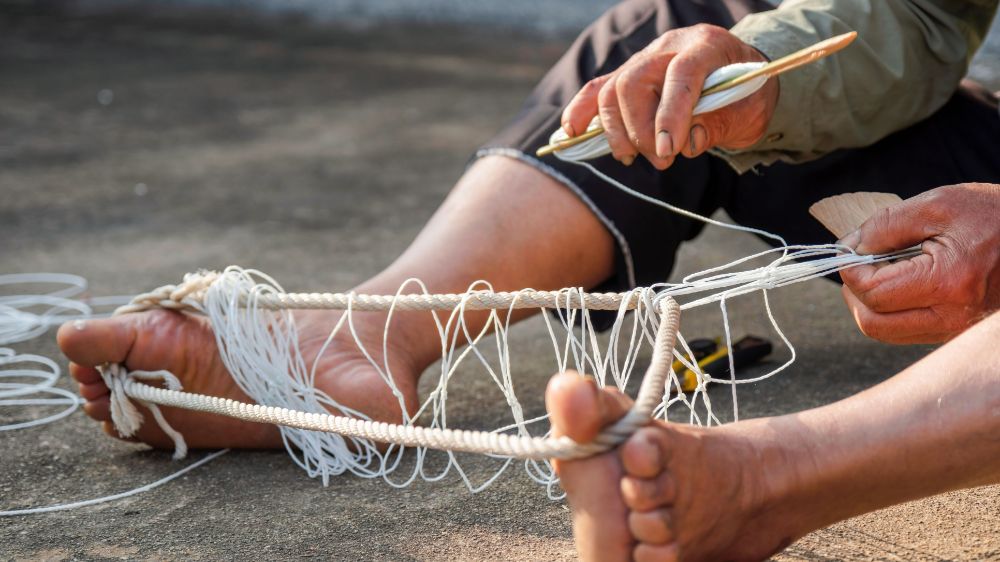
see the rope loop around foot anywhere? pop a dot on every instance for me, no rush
(125, 416)
(124, 384)
(186, 296)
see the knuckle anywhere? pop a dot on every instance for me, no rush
(882, 218)
(607, 93)
(936, 199)
(937, 205)
(625, 83)
(875, 301)
(707, 31)
(856, 280)
(681, 81)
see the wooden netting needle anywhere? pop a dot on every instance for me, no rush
(803, 57)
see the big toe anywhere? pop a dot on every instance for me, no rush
(579, 410)
(95, 342)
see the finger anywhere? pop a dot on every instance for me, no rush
(614, 127)
(95, 342)
(896, 228)
(901, 285)
(638, 92)
(84, 375)
(583, 107)
(698, 140)
(681, 89)
(920, 325)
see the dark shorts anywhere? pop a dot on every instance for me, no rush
(959, 143)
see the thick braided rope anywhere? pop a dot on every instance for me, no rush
(523, 447)
(189, 294)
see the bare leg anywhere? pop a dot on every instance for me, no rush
(505, 222)
(747, 490)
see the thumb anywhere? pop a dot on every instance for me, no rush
(894, 228)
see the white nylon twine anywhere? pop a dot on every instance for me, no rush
(27, 381)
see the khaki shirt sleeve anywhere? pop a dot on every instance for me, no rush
(905, 64)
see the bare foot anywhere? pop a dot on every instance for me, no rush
(185, 346)
(677, 492)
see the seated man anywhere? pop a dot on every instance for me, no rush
(520, 222)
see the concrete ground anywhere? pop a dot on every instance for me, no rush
(316, 155)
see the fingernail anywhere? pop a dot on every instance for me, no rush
(569, 130)
(664, 145)
(627, 160)
(698, 139)
(80, 325)
(851, 240)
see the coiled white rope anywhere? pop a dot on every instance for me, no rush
(27, 381)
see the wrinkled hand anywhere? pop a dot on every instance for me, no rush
(645, 105)
(950, 286)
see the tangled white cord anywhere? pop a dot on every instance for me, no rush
(258, 341)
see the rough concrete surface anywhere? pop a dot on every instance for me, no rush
(316, 155)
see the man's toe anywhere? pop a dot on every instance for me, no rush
(93, 391)
(94, 342)
(644, 552)
(84, 375)
(651, 526)
(641, 454)
(579, 409)
(645, 494)
(98, 409)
